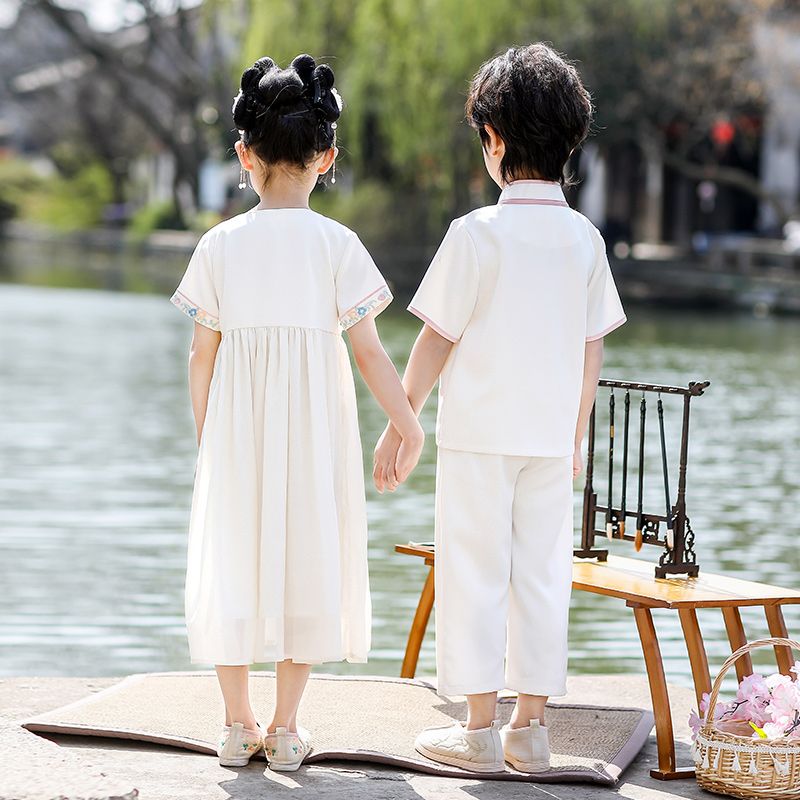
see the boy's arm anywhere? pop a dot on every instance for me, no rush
(592, 364)
(381, 376)
(202, 354)
(425, 364)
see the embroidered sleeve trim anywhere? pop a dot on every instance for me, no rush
(183, 303)
(372, 303)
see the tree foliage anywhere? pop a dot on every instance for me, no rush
(661, 73)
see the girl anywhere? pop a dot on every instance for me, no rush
(277, 564)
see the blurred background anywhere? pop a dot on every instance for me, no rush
(116, 153)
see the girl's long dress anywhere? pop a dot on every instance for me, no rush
(277, 556)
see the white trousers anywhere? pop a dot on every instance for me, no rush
(503, 572)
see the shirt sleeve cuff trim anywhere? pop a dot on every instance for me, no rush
(191, 309)
(431, 324)
(373, 303)
(607, 330)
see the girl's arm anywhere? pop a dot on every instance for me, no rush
(425, 364)
(202, 353)
(592, 364)
(381, 376)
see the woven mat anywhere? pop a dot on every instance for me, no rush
(355, 719)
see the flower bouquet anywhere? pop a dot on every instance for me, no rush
(750, 747)
(769, 708)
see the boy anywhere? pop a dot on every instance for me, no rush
(516, 304)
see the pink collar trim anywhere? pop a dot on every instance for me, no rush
(533, 192)
(531, 201)
(534, 180)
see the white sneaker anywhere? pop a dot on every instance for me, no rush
(527, 749)
(237, 745)
(285, 750)
(477, 751)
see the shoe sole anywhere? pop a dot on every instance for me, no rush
(452, 761)
(292, 767)
(234, 762)
(528, 766)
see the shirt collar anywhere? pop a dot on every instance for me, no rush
(531, 192)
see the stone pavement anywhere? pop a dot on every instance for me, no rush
(73, 768)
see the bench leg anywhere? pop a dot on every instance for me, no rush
(777, 627)
(737, 638)
(667, 767)
(418, 628)
(697, 652)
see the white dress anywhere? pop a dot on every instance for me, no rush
(277, 557)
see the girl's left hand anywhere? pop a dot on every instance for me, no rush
(577, 461)
(383, 472)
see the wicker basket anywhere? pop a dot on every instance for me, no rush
(738, 765)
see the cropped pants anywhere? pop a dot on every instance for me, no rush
(503, 572)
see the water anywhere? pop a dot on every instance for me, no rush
(97, 452)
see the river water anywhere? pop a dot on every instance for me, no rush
(97, 452)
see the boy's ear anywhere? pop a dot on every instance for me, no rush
(494, 145)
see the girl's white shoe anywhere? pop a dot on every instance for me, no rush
(237, 745)
(527, 749)
(285, 750)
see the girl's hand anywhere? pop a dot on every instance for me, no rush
(385, 458)
(577, 461)
(396, 457)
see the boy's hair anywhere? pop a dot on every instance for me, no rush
(537, 104)
(287, 115)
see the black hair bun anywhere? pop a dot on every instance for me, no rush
(248, 105)
(303, 88)
(278, 88)
(252, 75)
(304, 65)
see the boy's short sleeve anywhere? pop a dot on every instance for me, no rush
(447, 295)
(196, 294)
(361, 290)
(604, 310)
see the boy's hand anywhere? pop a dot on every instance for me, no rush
(577, 461)
(395, 458)
(408, 454)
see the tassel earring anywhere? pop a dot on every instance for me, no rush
(242, 178)
(333, 175)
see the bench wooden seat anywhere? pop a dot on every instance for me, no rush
(632, 580)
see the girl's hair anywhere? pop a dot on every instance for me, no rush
(536, 102)
(287, 115)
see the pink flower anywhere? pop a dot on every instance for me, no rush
(785, 700)
(696, 721)
(773, 730)
(752, 698)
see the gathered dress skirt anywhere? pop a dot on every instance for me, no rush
(277, 561)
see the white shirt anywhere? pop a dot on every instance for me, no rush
(520, 287)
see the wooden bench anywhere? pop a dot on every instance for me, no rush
(632, 580)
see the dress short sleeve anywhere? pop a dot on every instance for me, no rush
(361, 290)
(447, 295)
(196, 294)
(604, 310)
